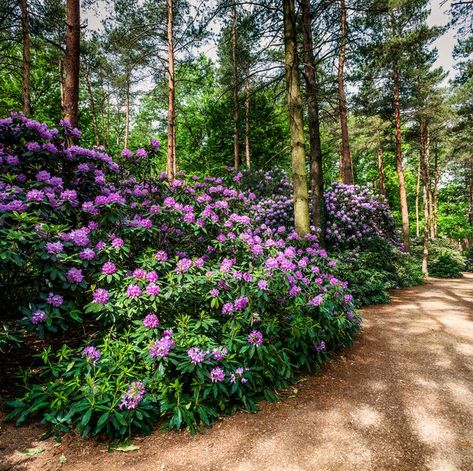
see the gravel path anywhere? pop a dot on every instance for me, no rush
(401, 399)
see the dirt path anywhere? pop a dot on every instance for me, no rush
(402, 399)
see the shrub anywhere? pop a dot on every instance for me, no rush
(355, 217)
(468, 255)
(166, 275)
(445, 260)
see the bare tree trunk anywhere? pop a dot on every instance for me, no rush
(299, 174)
(72, 62)
(470, 212)
(108, 130)
(315, 146)
(429, 180)
(382, 186)
(171, 149)
(61, 83)
(399, 166)
(92, 105)
(127, 111)
(236, 111)
(247, 120)
(25, 88)
(436, 191)
(425, 183)
(347, 167)
(419, 170)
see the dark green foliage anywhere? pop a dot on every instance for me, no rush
(445, 259)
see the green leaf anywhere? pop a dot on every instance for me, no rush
(31, 452)
(124, 447)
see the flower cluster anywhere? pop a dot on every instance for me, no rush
(354, 217)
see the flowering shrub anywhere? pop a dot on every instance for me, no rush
(354, 217)
(197, 302)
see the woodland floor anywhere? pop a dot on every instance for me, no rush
(401, 399)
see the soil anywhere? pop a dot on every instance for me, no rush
(401, 399)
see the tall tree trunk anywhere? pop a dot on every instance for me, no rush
(425, 193)
(236, 111)
(382, 186)
(171, 149)
(315, 145)
(61, 83)
(127, 111)
(247, 120)
(470, 212)
(399, 166)
(299, 174)
(72, 62)
(92, 106)
(347, 167)
(419, 170)
(25, 86)
(436, 191)
(429, 181)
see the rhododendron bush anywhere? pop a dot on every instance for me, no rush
(193, 300)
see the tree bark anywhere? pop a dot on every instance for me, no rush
(299, 174)
(436, 191)
(25, 86)
(429, 181)
(236, 111)
(382, 186)
(419, 170)
(399, 166)
(425, 193)
(127, 111)
(171, 148)
(247, 120)
(315, 145)
(347, 167)
(72, 62)
(470, 212)
(92, 106)
(61, 83)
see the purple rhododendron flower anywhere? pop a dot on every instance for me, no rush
(162, 347)
(74, 275)
(217, 375)
(87, 254)
(196, 355)
(320, 346)
(183, 265)
(133, 291)
(127, 153)
(54, 248)
(133, 396)
(263, 285)
(152, 289)
(92, 354)
(316, 301)
(255, 338)
(38, 317)
(151, 321)
(109, 268)
(117, 242)
(161, 256)
(227, 308)
(241, 303)
(100, 296)
(55, 300)
(219, 354)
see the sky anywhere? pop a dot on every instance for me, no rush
(444, 44)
